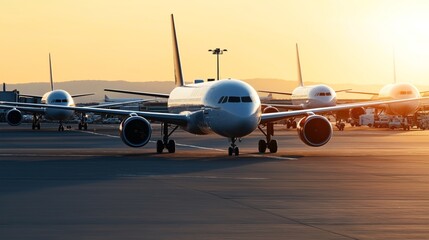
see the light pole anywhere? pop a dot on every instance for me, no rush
(218, 52)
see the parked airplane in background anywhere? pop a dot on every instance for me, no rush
(56, 97)
(229, 108)
(305, 97)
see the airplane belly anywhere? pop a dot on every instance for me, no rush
(58, 114)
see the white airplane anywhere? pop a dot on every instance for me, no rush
(60, 97)
(397, 91)
(305, 97)
(229, 108)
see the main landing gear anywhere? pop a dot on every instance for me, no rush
(170, 145)
(36, 122)
(271, 144)
(83, 124)
(61, 127)
(233, 149)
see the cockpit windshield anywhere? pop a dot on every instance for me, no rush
(235, 99)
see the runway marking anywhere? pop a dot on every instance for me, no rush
(199, 147)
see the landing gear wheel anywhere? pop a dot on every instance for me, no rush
(61, 128)
(171, 146)
(230, 151)
(272, 145)
(262, 146)
(236, 151)
(85, 126)
(80, 126)
(33, 126)
(159, 146)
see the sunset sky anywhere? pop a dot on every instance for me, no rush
(340, 40)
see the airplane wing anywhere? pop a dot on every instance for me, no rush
(283, 106)
(152, 94)
(24, 109)
(174, 118)
(343, 90)
(271, 117)
(282, 93)
(367, 93)
(115, 104)
(82, 95)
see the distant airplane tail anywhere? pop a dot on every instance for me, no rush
(299, 67)
(178, 76)
(50, 73)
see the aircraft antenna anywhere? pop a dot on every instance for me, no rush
(50, 73)
(299, 67)
(178, 76)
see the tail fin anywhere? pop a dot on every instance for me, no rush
(394, 67)
(178, 76)
(299, 67)
(50, 73)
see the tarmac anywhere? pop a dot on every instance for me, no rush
(364, 184)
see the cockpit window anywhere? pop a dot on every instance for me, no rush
(405, 92)
(246, 99)
(220, 100)
(64, 100)
(323, 94)
(234, 99)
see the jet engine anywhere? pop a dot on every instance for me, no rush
(356, 112)
(314, 130)
(270, 109)
(14, 117)
(135, 131)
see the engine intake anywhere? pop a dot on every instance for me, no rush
(14, 117)
(270, 109)
(314, 130)
(135, 131)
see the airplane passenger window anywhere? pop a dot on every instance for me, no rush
(246, 99)
(220, 100)
(234, 99)
(225, 99)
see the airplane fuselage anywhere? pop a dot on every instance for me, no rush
(400, 91)
(61, 98)
(314, 96)
(230, 108)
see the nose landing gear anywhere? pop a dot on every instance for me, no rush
(170, 145)
(268, 143)
(233, 149)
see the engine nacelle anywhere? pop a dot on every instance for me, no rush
(135, 131)
(270, 109)
(314, 130)
(14, 117)
(356, 112)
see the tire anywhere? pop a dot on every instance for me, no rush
(262, 146)
(159, 146)
(230, 151)
(171, 146)
(236, 151)
(273, 146)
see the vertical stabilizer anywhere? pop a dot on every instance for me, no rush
(299, 67)
(178, 77)
(50, 73)
(394, 67)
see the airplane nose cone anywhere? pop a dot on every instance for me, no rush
(235, 124)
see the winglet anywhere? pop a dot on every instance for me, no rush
(178, 76)
(50, 73)
(299, 67)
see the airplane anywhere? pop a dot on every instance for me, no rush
(14, 116)
(396, 90)
(305, 97)
(229, 108)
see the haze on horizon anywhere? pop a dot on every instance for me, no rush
(340, 41)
